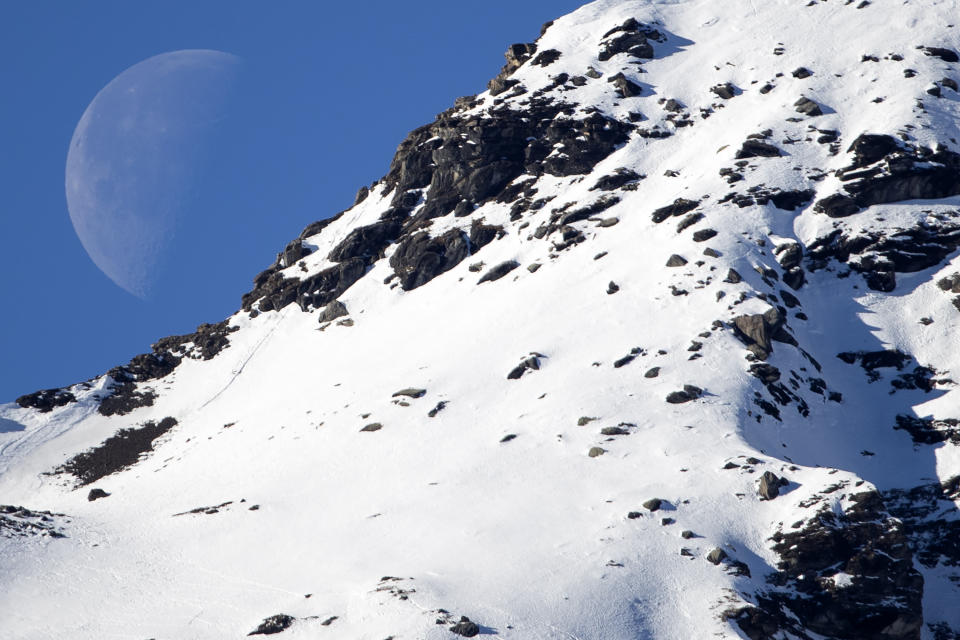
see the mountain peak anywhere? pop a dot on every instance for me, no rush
(648, 339)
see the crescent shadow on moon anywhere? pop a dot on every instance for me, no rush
(134, 157)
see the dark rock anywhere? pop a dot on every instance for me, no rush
(704, 234)
(633, 41)
(274, 624)
(672, 106)
(679, 207)
(626, 88)
(766, 373)
(756, 148)
(614, 431)
(653, 372)
(947, 55)
(332, 311)
(621, 177)
(884, 281)
(717, 556)
(801, 73)
(366, 242)
(499, 271)
(733, 277)
(612, 288)
(373, 426)
(686, 534)
(837, 206)
(653, 504)
(118, 452)
(676, 261)
(546, 58)
(633, 515)
(465, 628)
(882, 599)
(758, 330)
(789, 254)
(689, 393)
(690, 220)
(96, 494)
(410, 392)
(437, 409)
(808, 107)
(419, 258)
(725, 90)
(516, 55)
(46, 400)
(794, 278)
(529, 364)
(770, 485)
(596, 452)
(625, 360)
(508, 438)
(791, 200)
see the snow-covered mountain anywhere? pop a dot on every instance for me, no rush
(654, 338)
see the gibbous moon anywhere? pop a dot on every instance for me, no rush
(134, 159)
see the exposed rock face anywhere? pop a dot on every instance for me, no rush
(887, 170)
(758, 332)
(46, 400)
(20, 522)
(116, 452)
(881, 596)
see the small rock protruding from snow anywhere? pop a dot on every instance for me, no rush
(770, 484)
(96, 494)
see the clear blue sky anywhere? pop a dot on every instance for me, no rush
(328, 91)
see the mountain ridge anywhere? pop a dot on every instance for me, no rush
(633, 344)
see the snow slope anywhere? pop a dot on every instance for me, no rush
(399, 531)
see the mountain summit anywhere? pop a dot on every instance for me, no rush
(653, 338)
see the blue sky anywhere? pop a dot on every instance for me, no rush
(326, 94)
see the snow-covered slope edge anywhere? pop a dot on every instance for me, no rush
(650, 340)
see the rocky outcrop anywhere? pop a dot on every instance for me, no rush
(843, 575)
(46, 400)
(885, 170)
(116, 453)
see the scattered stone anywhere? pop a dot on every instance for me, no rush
(274, 624)
(410, 392)
(704, 234)
(633, 515)
(770, 485)
(676, 261)
(808, 107)
(373, 426)
(584, 420)
(534, 267)
(332, 311)
(686, 534)
(608, 222)
(689, 393)
(801, 73)
(717, 556)
(625, 87)
(725, 90)
(653, 504)
(612, 288)
(437, 409)
(596, 452)
(499, 271)
(508, 437)
(652, 372)
(679, 207)
(465, 628)
(947, 55)
(614, 431)
(531, 363)
(756, 148)
(96, 494)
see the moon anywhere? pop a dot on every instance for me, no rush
(136, 156)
